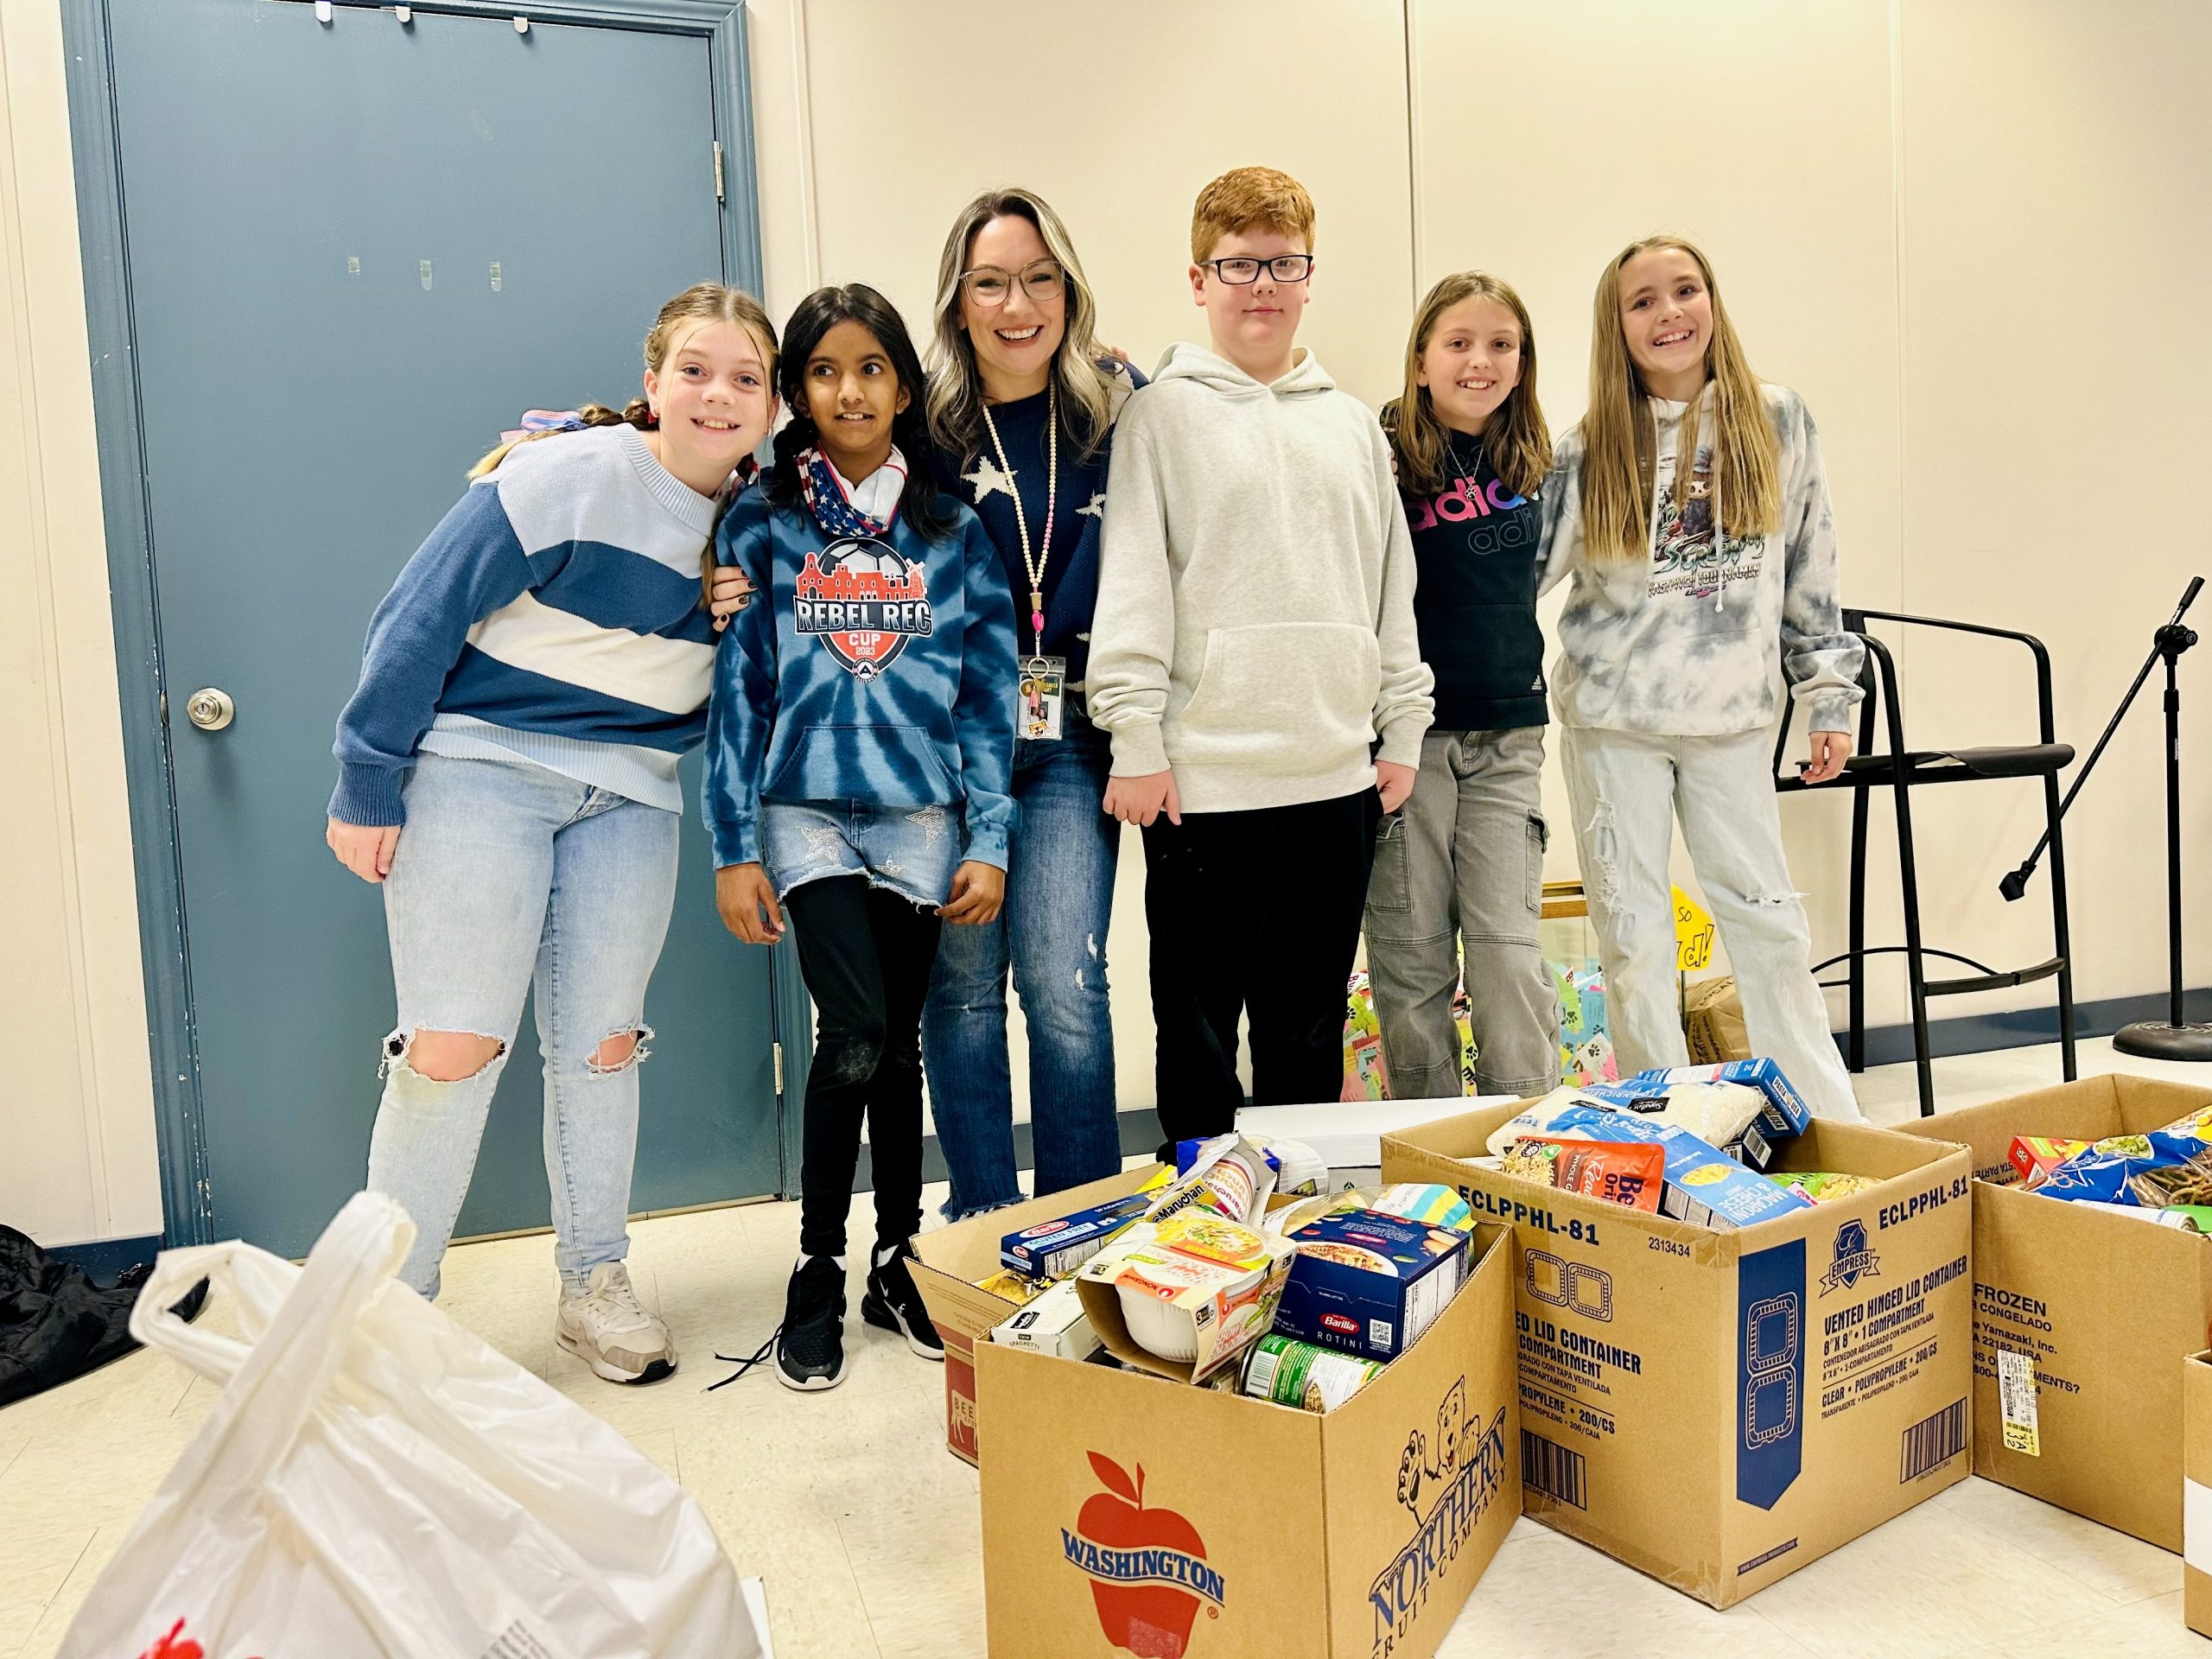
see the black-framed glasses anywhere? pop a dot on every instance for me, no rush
(1284, 268)
(1042, 280)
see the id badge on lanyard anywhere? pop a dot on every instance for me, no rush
(1042, 698)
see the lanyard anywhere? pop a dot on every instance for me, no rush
(1034, 564)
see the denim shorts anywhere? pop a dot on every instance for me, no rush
(911, 850)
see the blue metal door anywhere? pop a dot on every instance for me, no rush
(356, 252)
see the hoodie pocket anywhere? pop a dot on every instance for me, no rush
(887, 765)
(1293, 699)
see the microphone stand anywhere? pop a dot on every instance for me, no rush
(2173, 1037)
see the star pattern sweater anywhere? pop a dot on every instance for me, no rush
(1071, 570)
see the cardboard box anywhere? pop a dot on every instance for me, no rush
(1712, 1021)
(1718, 1408)
(2083, 1317)
(949, 1260)
(1125, 1514)
(2196, 1494)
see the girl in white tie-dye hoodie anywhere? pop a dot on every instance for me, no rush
(1690, 510)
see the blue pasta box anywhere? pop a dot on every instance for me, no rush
(1055, 1249)
(1704, 1185)
(1369, 1284)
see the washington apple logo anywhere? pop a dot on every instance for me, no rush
(1147, 1568)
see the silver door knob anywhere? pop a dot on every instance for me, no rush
(210, 709)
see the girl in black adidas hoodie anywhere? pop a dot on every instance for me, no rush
(1459, 869)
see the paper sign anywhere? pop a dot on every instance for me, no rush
(1693, 934)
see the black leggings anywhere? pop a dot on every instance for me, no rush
(866, 955)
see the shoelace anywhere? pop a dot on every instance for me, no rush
(757, 1356)
(621, 1298)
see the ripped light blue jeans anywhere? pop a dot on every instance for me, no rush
(1627, 789)
(508, 873)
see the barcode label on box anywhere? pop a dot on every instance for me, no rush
(1554, 1470)
(2015, 1397)
(1934, 1441)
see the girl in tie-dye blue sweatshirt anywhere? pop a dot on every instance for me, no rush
(859, 745)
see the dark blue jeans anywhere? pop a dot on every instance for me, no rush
(1059, 896)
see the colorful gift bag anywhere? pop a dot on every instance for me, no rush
(1585, 1050)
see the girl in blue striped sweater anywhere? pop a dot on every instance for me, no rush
(858, 754)
(529, 685)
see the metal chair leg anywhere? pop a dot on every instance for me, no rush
(1857, 1055)
(2061, 931)
(1915, 965)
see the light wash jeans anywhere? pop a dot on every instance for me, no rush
(505, 873)
(1627, 789)
(1052, 934)
(1459, 873)
(911, 850)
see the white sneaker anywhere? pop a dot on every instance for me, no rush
(604, 1325)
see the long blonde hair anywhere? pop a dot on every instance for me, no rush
(702, 303)
(1619, 432)
(1514, 438)
(955, 384)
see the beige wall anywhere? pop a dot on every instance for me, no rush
(1968, 231)
(76, 1107)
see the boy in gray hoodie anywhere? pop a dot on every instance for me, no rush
(1256, 663)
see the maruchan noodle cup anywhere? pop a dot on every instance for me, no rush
(1297, 1374)
(1228, 1175)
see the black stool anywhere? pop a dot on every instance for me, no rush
(1901, 770)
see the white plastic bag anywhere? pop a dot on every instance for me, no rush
(375, 1483)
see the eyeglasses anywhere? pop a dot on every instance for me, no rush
(1284, 268)
(1042, 280)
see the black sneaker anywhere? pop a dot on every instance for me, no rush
(893, 1304)
(810, 1346)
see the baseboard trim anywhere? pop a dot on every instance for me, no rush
(107, 1258)
(1977, 1034)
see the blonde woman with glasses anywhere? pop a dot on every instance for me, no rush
(1021, 404)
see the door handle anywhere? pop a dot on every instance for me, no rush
(211, 709)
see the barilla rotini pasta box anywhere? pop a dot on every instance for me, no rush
(1367, 1283)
